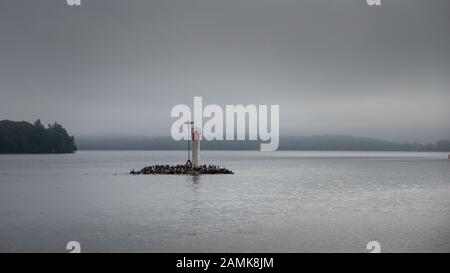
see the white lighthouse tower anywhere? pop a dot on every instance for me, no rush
(196, 135)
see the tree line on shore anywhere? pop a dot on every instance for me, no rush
(18, 137)
(24, 137)
(300, 143)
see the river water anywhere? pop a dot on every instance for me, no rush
(286, 201)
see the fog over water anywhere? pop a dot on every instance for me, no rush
(335, 67)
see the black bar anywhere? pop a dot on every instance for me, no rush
(281, 262)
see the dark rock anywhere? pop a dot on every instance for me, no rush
(182, 169)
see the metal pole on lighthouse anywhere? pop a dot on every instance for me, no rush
(191, 123)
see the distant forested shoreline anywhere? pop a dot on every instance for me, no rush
(300, 143)
(21, 137)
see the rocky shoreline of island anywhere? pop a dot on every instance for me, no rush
(182, 170)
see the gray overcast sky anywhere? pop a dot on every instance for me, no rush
(333, 66)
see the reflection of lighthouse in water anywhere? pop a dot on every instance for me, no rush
(195, 146)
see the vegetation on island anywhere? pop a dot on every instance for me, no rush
(20, 137)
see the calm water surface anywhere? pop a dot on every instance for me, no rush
(275, 202)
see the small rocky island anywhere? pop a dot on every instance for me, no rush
(186, 169)
(191, 167)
